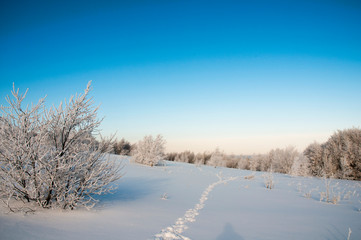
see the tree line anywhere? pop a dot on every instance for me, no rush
(339, 157)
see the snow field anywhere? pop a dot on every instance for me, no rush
(200, 206)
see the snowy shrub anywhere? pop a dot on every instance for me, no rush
(330, 195)
(50, 157)
(249, 177)
(149, 151)
(268, 179)
(164, 196)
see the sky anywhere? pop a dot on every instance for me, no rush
(243, 76)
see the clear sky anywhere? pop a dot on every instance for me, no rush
(244, 76)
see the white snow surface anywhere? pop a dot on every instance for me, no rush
(202, 203)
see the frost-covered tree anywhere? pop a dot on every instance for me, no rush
(51, 157)
(217, 159)
(149, 151)
(244, 162)
(339, 157)
(122, 147)
(255, 162)
(314, 153)
(282, 159)
(300, 166)
(343, 151)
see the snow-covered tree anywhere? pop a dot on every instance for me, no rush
(339, 157)
(51, 157)
(300, 166)
(122, 147)
(344, 151)
(282, 159)
(149, 151)
(217, 159)
(314, 153)
(255, 162)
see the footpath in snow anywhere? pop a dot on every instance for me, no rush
(175, 231)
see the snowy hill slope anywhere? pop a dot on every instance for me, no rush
(183, 201)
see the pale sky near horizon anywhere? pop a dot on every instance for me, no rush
(242, 76)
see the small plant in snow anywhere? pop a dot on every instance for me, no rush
(249, 177)
(164, 196)
(149, 151)
(330, 196)
(347, 195)
(268, 178)
(309, 193)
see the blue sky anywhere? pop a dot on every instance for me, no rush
(245, 76)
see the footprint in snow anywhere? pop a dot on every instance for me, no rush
(174, 232)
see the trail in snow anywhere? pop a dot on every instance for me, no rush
(174, 232)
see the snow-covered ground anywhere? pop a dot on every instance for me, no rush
(183, 201)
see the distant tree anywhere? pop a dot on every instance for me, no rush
(149, 151)
(282, 159)
(170, 156)
(265, 161)
(187, 157)
(314, 153)
(191, 157)
(244, 162)
(199, 159)
(122, 147)
(182, 157)
(216, 159)
(51, 157)
(300, 166)
(255, 162)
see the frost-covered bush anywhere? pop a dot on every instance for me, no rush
(340, 156)
(268, 179)
(149, 151)
(50, 157)
(330, 195)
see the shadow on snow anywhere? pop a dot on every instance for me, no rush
(132, 189)
(228, 233)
